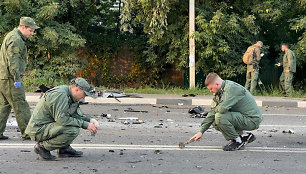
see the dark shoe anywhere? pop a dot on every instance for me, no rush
(43, 153)
(233, 145)
(68, 151)
(3, 137)
(248, 139)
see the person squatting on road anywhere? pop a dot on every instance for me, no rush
(233, 113)
(253, 67)
(57, 117)
(13, 59)
(289, 68)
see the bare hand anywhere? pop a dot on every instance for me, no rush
(92, 128)
(94, 121)
(196, 137)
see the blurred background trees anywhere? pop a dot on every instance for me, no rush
(145, 42)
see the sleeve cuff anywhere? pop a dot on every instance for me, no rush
(85, 125)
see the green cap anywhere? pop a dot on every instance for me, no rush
(84, 85)
(29, 22)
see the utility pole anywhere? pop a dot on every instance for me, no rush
(191, 45)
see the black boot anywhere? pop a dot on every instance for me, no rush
(43, 153)
(68, 151)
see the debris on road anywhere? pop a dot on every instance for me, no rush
(157, 152)
(289, 131)
(188, 95)
(197, 112)
(130, 120)
(132, 110)
(108, 116)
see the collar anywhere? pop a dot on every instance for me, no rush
(70, 95)
(221, 90)
(21, 35)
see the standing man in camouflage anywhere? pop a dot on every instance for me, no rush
(57, 117)
(233, 112)
(289, 66)
(13, 56)
(253, 68)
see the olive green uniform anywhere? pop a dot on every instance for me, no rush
(233, 110)
(12, 67)
(56, 119)
(289, 63)
(253, 70)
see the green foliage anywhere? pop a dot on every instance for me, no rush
(37, 77)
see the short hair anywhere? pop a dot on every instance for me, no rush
(285, 44)
(210, 78)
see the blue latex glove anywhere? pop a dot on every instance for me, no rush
(17, 84)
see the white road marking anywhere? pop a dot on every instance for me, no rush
(297, 115)
(160, 147)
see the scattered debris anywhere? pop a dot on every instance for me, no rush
(132, 110)
(198, 167)
(115, 109)
(130, 120)
(108, 116)
(197, 112)
(111, 151)
(157, 152)
(94, 170)
(289, 131)
(180, 104)
(134, 162)
(273, 130)
(190, 95)
(300, 143)
(159, 126)
(25, 151)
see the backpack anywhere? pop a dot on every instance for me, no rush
(248, 56)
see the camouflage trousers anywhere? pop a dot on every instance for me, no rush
(286, 82)
(251, 80)
(12, 97)
(231, 124)
(55, 136)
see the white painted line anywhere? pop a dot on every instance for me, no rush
(291, 126)
(301, 104)
(162, 147)
(297, 115)
(151, 101)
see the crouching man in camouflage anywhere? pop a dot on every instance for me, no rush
(233, 112)
(56, 120)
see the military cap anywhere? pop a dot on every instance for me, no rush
(29, 22)
(84, 85)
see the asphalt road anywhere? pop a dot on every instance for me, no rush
(121, 146)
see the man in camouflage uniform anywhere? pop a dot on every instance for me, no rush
(253, 69)
(233, 112)
(13, 56)
(289, 66)
(57, 117)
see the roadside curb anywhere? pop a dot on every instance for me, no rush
(178, 101)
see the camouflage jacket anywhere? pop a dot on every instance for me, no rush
(232, 97)
(57, 106)
(289, 61)
(13, 56)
